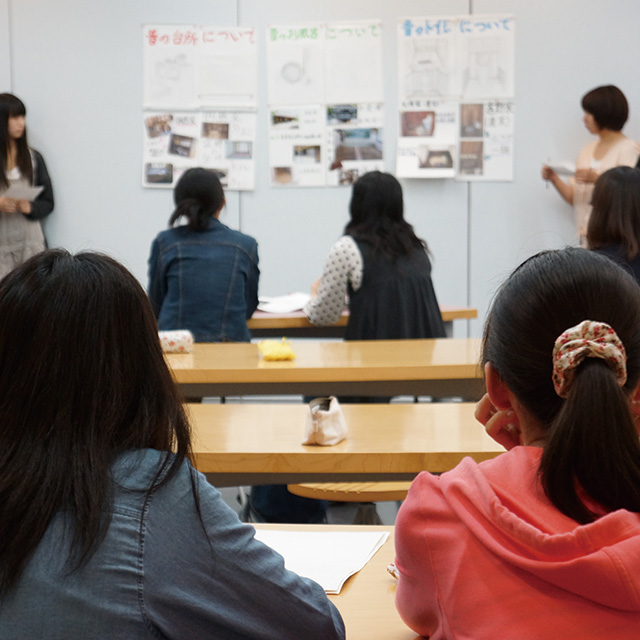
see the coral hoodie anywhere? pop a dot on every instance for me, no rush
(482, 553)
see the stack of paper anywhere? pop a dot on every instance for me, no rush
(283, 304)
(329, 557)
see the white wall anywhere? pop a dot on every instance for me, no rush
(78, 67)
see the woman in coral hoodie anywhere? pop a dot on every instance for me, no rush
(544, 540)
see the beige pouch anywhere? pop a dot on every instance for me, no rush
(325, 423)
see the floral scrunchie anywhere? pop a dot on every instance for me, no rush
(588, 339)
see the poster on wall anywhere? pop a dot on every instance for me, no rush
(486, 140)
(190, 67)
(455, 73)
(335, 71)
(354, 141)
(222, 141)
(428, 139)
(296, 146)
(199, 99)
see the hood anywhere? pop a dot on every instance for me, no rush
(502, 503)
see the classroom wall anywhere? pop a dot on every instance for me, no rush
(78, 67)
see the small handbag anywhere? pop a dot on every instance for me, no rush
(325, 423)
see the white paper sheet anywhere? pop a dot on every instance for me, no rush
(283, 304)
(328, 557)
(22, 192)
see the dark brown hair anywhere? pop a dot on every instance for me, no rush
(11, 107)
(83, 379)
(377, 215)
(198, 196)
(592, 442)
(615, 217)
(608, 106)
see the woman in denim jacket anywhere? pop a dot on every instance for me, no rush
(203, 276)
(107, 530)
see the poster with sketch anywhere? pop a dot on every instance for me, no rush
(353, 141)
(295, 64)
(190, 67)
(486, 141)
(486, 57)
(227, 67)
(427, 58)
(335, 69)
(199, 99)
(169, 66)
(296, 146)
(464, 66)
(221, 141)
(353, 62)
(427, 144)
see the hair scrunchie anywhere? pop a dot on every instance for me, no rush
(589, 339)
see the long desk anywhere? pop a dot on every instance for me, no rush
(296, 325)
(238, 444)
(442, 367)
(367, 599)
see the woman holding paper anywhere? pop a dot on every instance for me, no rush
(21, 168)
(605, 112)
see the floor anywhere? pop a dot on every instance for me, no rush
(337, 512)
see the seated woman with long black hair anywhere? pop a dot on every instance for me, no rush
(107, 531)
(380, 268)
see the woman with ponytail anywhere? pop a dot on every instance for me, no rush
(203, 276)
(544, 540)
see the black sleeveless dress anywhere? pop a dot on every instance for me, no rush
(396, 299)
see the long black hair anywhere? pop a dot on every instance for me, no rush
(592, 444)
(11, 107)
(197, 196)
(615, 214)
(83, 379)
(377, 216)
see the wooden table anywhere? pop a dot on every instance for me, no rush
(367, 599)
(245, 444)
(442, 367)
(296, 325)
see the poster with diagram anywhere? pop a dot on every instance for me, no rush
(325, 97)
(455, 73)
(221, 141)
(199, 99)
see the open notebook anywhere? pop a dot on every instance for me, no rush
(328, 557)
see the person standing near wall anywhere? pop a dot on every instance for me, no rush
(21, 234)
(605, 112)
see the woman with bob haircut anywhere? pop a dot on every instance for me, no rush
(21, 235)
(614, 225)
(605, 112)
(203, 276)
(106, 528)
(382, 267)
(542, 541)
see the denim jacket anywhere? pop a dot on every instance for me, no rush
(163, 572)
(204, 281)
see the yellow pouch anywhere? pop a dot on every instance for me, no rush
(275, 350)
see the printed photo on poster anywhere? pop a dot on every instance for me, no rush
(296, 149)
(490, 157)
(427, 143)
